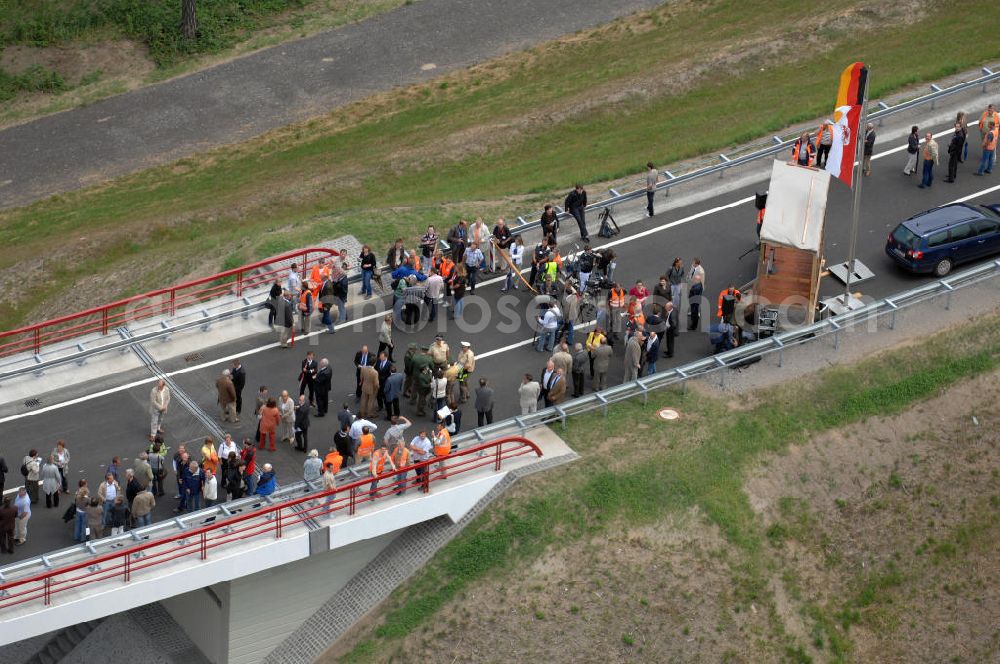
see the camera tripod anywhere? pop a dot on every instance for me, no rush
(607, 220)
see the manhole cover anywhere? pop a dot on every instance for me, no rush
(667, 414)
(32, 403)
(194, 357)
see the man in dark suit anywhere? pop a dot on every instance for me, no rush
(239, 376)
(307, 377)
(286, 320)
(384, 369)
(670, 317)
(3, 473)
(361, 359)
(324, 380)
(652, 352)
(302, 424)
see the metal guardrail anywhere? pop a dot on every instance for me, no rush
(125, 343)
(198, 533)
(164, 301)
(886, 307)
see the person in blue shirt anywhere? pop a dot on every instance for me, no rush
(268, 482)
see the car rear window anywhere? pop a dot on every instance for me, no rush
(904, 236)
(937, 239)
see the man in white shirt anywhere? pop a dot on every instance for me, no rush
(210, 489)
(473, 260)
(421, 449)
(432, 296)
(696, 270)
(294, 285)
(357, 426)
(549, 322)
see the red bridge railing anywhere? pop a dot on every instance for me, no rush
(263, 522)
(105, 318)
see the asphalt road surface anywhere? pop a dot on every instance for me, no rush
(246, 97)
(717, 230)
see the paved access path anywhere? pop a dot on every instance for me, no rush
(246, 97)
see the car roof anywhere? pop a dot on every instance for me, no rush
(942, 217)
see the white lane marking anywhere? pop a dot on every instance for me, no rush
(497, 351)
(975, 195)
(527, 342)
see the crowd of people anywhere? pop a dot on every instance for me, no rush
(925, 155)
(433, 275)
(432, 379)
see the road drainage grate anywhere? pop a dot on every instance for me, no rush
(194, 357)
(32, 403)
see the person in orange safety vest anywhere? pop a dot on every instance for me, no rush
(442, 444)
(376, 466)
(401, 459)
(803, 152)
(333, 460)
(732, 290)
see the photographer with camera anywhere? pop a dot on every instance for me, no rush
(585, 263)
(606, 265)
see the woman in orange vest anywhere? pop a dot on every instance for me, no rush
(445, 266)
(989, 115)
(442, 445)
(366, 445)
(806, 157)
(401, 459)
(989, 149)
(377, 466)
(305, 308)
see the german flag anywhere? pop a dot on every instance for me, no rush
(851, 97)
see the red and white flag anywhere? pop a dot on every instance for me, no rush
(847, 122)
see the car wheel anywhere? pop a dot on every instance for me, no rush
(943, 267)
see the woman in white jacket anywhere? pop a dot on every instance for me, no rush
(439, 391)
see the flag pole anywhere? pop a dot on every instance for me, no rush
(858, 175)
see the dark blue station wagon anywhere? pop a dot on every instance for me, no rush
(939, 239)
